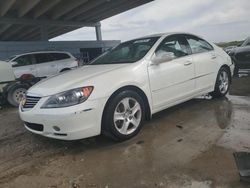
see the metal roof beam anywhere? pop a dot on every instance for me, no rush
(67, 7)
(27, 6)
(5, 6)
(106, 8)
(58, 32)
(24, 21)
(4, 28)
(22, 35)
(45, 6)
(31, 35)
(84, 8)
(11, 34)
(116, 10)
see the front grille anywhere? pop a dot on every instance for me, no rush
(31, 101)
(34, 126)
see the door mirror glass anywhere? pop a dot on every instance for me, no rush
(162, 57)
(14, 63)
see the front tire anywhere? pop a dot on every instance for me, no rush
(16, 94)
(222, 83)
(123, 116)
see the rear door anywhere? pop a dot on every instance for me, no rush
(64, 61)
(45, 65)
(24, 65)
(204, 58)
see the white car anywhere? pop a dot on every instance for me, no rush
(42, 64)
(115, 93)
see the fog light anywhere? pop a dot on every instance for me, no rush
(56, 128)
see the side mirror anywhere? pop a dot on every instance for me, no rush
(162, 57)
(13, 63)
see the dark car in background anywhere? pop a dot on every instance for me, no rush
(241, 56)
(229, 49)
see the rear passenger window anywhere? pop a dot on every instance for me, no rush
(60, 56)
(198, 45)
(43, 58)
(173, 44)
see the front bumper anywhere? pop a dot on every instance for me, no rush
(71, 123)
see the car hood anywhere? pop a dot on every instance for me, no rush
(71, 79)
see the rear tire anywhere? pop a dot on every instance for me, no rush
(222, 83)
(123, 116)
(16, 94)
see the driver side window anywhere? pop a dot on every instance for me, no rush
(23, 61)
(172, 45)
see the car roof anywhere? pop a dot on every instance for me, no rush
(42, 52)
(167, 34)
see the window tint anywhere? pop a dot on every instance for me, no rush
(23, 61)
(173, 44)
(198, 45)
(43, 58)
(60, 56)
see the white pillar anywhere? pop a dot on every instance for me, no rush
(98, 32)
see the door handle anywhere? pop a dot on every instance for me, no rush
(188, 63)
(214, 57)
(52, 65)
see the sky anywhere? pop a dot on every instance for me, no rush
(215, 20)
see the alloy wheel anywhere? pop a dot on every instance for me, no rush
(223, 82)
(19, 94)
(127, 116)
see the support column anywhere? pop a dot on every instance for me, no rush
(98, 32)
(44, 33)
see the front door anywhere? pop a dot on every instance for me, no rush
(172, 81)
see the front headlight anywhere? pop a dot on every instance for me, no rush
(69, 98)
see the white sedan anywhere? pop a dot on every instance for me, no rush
(115, 93)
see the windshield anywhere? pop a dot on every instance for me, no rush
(246, 42)
(127, 52)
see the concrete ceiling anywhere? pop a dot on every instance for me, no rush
(28, 20)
